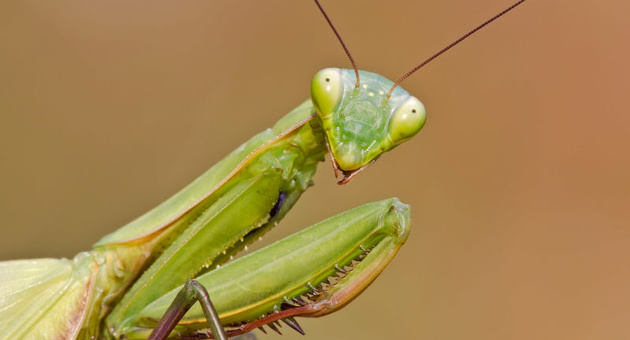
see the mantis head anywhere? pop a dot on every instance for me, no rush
(363, 119)
(366, 114)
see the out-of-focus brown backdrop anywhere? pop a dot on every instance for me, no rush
(519, 183)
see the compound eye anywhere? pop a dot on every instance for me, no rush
(407, 120)
(326, 91)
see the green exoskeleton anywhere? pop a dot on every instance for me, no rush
(125, 285)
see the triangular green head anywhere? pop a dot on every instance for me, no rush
(361, 122)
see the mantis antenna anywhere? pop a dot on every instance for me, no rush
(406, 75)
(354, 64)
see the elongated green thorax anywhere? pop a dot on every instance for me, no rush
(311, 273)
(362, 122)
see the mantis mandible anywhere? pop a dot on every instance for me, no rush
(123, 287)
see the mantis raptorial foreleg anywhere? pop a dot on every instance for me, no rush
(310, 273)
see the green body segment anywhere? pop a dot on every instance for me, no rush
(170, 211)
(257, 284)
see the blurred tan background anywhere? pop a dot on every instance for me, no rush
(519, 183)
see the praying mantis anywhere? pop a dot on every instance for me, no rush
(255, 186)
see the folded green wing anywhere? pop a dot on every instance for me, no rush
(44, 298)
